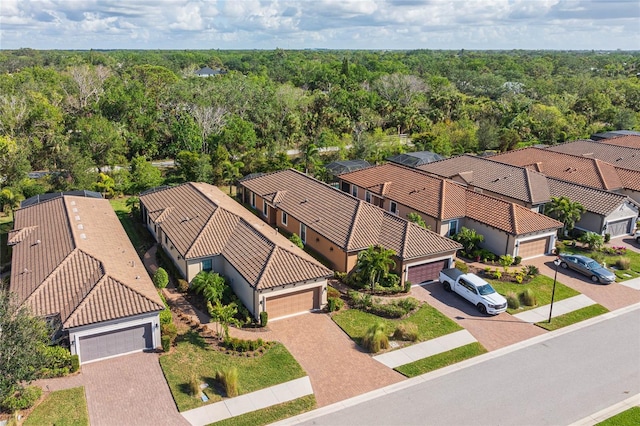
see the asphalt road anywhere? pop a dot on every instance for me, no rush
(555, 382)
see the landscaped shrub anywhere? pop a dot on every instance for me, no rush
(505, 261)
(406, 331)
(332, 292)
(530, 270)
(295, 239)
(194, 386)
(182, 286)
(161, 278)
(407, 286)
(168, 333)
(517, 260)
(22, 399)
(407, 303)
(528, 298)
(607, 237)
(334, 304)
(387, 310)
(340, 275)
(512, 301)
(165, 341)
(57, 361)
(375, 338)
(519, 277)
(264, 318)
(623, 263)
(165, 316)
(598, 257)
(360, 300)
(462, 266)
(497, 274)
(75, 363)
(228, 377)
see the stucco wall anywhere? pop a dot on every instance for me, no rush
(495, 241)
(590, 222)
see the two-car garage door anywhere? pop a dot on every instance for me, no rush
(621, 227)
(533, 248)
(293, 303)
(115, 342)
(427, 271)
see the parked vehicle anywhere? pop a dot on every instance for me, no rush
(474, 289)
(587, 266)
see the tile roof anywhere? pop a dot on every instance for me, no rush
(585, 171)
(629, 141)
(514, 182)
(443, 199)
(68, 251)
(202, 221)
(618, 155)
(349, 223)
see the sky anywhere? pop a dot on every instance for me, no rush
(320, 24)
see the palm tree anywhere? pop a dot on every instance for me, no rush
(224, 315)
(310, 157)
(231, 171)
(375, 262)
(10, 200)
(566, 211)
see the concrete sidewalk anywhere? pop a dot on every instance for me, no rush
(633, 283)
(253, 401)
(560, 307)
(426, 349)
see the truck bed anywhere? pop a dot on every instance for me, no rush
(452, 273)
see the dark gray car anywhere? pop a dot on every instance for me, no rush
(587, 266)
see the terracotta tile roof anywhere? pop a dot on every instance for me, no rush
(427, 194)
(517, 183)
(349, 223)
(585, 171)
(618, 155)
(631, 178)
(204, 222)
(630, 141)
(64, 248)
(595, 200)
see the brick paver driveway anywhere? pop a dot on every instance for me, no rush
(613, 296)
(493, 332)
(337, 367)
(127, 390)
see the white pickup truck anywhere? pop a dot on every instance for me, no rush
(474, 289)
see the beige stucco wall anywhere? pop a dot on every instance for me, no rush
(496, 241)
(590, 222)
(625, 211)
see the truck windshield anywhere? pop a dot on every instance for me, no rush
(485, 289)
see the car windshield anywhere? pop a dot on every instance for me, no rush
(486, 289)
(593, 265)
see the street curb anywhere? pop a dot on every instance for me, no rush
(329, 409)
(609, 412)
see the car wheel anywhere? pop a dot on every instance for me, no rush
(594, 278)
(564, 265)
(447, 287)
(482, 308)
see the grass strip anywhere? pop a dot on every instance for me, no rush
(630, 417)
(440, 360)
(573, 317)
(541, 286)
(272, 414)
(61, 408)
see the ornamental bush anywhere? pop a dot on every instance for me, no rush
(161, 278)
(512, 301)
(375, 339)
(228, 377)
(528, 298)
(22, 399)
(407, 331)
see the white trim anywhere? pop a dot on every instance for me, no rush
(284, 218)
(391, 209)
(303, 238)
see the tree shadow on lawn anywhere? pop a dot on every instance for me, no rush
(194, 338)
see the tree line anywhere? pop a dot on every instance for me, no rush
(79, 113)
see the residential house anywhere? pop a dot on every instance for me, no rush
(74, 265)
(414, 159)
(582, 170)
(209, 72)
(622, 157)
(606, 211)
(203, 229)
(446, 206)
(338, 225)
(630, 141)
(602, 137)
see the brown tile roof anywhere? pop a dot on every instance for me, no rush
(514, 182)
(68, 251)
(349, 223)
(630, 141)
(427, 194)
(618, 155)
(584, 171)
(202, 221)
(595, 200)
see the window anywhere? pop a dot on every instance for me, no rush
(345, 187)
(207, 265)
(303, 232)
(367, 196)
(284, 218)
(166, 239)
(393, 207)
(253, 199)
(453, 228)
(265, 208)
(354, 190)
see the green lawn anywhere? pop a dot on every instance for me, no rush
(431, 323)
(138, 234)
(440, 360)
(541, 286)
(610, 260)
(61, 408)
(272, 414)
(192, 356)
(573, 317)
(630, 417)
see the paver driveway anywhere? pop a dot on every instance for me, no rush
(337, 367)
(493, 332)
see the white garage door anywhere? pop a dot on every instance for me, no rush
(426, 272)
(115, 342)
(621, 227)
(292, 303)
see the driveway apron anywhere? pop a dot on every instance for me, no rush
(493, 332)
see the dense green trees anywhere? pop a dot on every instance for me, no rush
(75, 113)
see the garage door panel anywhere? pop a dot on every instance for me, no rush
(426, 272)
(292, 303)
(533, 248)
(115, 342)
(621, 227)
